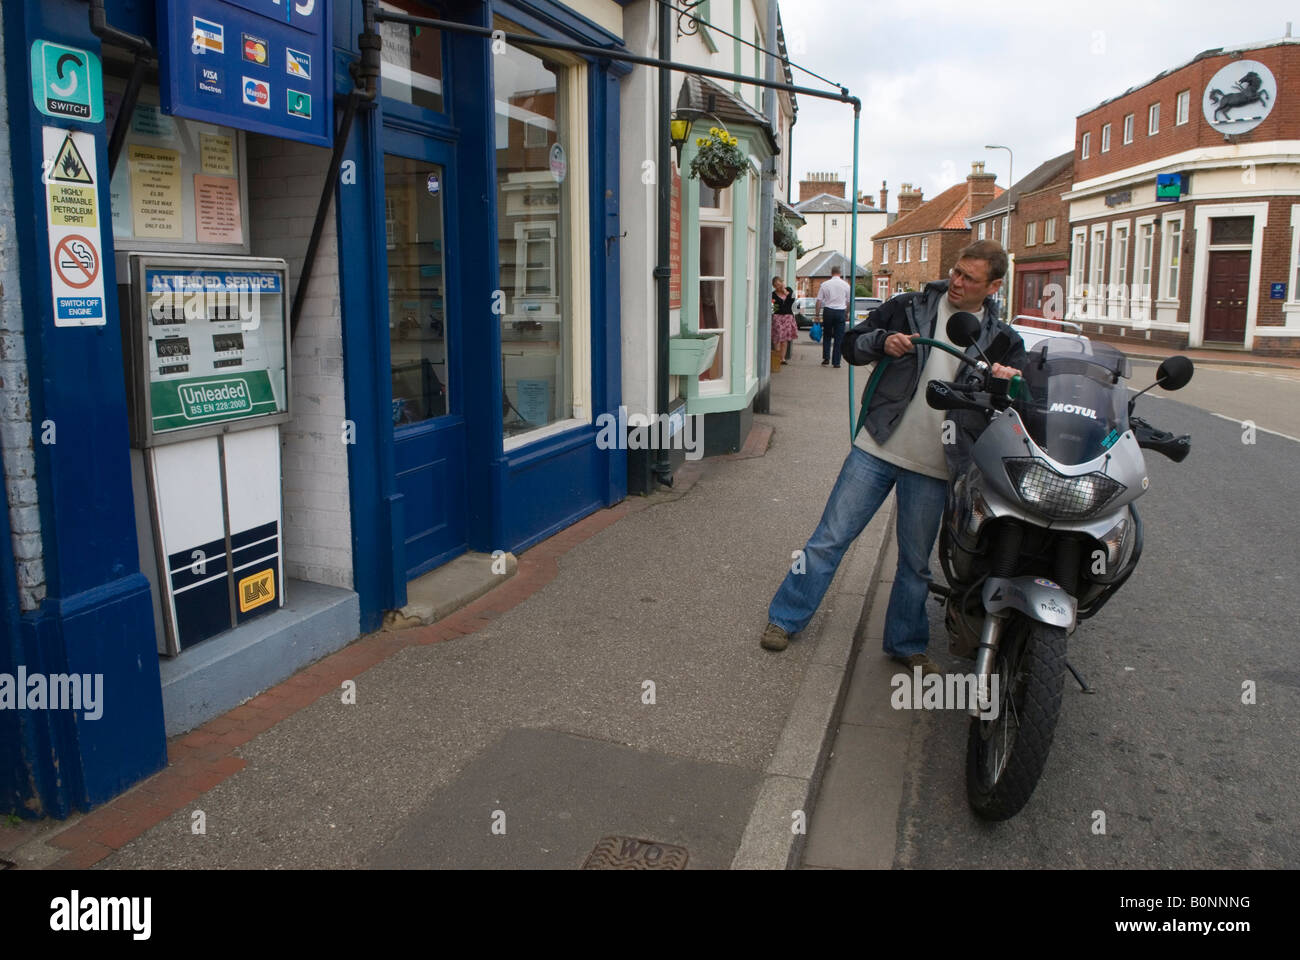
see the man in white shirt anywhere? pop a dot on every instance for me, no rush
(833, 299)
(899, 444)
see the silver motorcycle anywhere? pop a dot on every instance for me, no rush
(1039, 532)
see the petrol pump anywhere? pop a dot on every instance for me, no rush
(207, 366)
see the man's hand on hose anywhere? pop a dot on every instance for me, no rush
(897, 344)
(1005, 373)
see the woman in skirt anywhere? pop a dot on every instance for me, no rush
(784, 329)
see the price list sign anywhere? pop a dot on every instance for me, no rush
(258, 65)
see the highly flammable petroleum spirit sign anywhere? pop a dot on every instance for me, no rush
(70, 178)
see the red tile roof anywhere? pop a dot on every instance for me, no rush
(947, 211)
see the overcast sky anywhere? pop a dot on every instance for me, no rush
(938, 79)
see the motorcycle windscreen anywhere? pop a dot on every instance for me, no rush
(1075, 405)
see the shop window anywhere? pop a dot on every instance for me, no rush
(714, 309)
(179, 184)
(1078, 290)
(1119, 271)
(1098, 268)
(1172, 250)
(540, 177)
(411, 67)
(1145, 259)
(1183, 109)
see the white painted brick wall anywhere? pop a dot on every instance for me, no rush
(15, 405)
(284, 185)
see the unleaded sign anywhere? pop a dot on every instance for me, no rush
(258, 65)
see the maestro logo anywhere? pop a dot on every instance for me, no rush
(257, 93)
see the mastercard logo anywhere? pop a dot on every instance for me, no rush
(254, 49)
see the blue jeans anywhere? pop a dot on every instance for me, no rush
(832, 333)
(863, 484)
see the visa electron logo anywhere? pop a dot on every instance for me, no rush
(257, 93)
(1071, 408)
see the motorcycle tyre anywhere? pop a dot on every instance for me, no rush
(1038, 706)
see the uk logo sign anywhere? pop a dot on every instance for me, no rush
(297, 64)
(257, 93)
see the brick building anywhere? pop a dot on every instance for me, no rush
(922, 244)
(828, 218)
(1218, 263)
(1033, 227)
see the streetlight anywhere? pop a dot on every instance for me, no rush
(1006, 234)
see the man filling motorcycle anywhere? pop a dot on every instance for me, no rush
(899, 441)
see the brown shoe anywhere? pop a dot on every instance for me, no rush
(774, 638)
(928, 666)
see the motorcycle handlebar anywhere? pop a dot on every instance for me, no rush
(1161, 441)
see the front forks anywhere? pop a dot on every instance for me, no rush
(984, 661)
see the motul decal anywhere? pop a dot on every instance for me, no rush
(1071, 408)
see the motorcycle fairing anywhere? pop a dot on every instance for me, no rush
(1035, 597)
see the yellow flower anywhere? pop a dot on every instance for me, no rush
(713, 130)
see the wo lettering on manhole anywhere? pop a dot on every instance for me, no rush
(629, 853)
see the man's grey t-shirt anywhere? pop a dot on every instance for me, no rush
(917, 442)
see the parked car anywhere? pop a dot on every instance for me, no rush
(863, 306)
(1034, 335)
(805, 312)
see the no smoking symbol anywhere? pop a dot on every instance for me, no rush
(76, 262)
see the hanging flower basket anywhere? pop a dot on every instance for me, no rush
(719, 161)
(784, 234)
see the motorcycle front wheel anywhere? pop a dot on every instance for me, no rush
(1005, 755)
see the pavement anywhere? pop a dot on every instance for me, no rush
(607, 705)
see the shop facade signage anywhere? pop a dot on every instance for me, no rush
(1239, 97)
(257, 65)
(70, 180)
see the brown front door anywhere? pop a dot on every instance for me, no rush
(1028, 303)
(1225, 308)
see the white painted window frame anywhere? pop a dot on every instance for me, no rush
(1129, 123)
(1078, 269)
(1153, 119)
(1105, 138)
(1142, 302)
(1119, 254)
(1170, 297)
(1182, 108)
(1085, 148)
(1049, 230)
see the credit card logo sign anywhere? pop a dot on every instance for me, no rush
(257, 93)
(211, 80)
(300, 104)
(209, 37)
(255, 49)
(256, 590)
(297, 64)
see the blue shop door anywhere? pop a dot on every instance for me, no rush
(428, 420)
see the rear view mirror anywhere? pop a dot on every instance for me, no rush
(1174, 373)
(963, 329)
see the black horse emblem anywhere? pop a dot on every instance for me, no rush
(1248, 91)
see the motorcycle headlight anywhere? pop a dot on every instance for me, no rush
(1056, 495)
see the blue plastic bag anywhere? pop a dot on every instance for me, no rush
(815, 331)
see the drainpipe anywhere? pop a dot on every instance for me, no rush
(662, 469)
(766, 204)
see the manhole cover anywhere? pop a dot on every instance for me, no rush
(629, 853)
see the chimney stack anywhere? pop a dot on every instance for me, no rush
(884, 196)
(818, 183)
(908, 199)
(980, 186)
